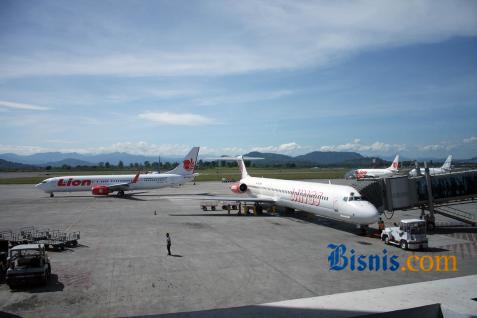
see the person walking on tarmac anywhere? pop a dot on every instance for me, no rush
(168, 240)
(381, 225)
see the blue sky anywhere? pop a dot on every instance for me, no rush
(156, 77)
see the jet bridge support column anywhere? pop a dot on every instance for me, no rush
(430, 219)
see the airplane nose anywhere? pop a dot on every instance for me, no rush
(368, 214)
(40, 186)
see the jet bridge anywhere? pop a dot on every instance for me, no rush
(403, 192)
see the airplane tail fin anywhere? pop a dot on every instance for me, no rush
(395, 164)
(187, 166)
(240, 162)
(243, 169)
(447, 163)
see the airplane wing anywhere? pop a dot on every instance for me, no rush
(123, 186)
(225, 198)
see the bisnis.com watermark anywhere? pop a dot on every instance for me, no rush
(341, 259)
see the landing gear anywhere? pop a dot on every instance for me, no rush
(120, 194)
(284, 211)
(363, 229)
(51, 195)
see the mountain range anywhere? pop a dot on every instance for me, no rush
(318, 158)
(58, 159)
(5, 164)
(74, 159)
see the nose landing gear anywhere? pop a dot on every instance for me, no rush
(363, 229)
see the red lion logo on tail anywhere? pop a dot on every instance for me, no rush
(189, 164)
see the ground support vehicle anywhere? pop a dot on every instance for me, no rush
(3, 258)
(410, 234)
(28, 264)
(212, 205)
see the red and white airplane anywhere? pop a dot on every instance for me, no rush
(106, 184)
(446, 168)
(338, 202)
(378, 173)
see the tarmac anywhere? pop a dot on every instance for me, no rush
(121, 267)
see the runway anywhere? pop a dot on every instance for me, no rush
(220, 261)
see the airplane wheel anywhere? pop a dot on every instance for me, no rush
(51, 195)
(121, 194)
(386, 240)
(363, 230)
(404, 245)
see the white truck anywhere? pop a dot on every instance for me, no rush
(410, 234)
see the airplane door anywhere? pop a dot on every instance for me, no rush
(335, 205)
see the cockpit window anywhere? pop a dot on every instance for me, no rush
(345, 199)
(355, 198)
(43, 182)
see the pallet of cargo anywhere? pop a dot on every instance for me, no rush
(52, 239)
(52, 244)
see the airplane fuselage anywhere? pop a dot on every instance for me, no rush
(432, 171)
(338, 202)
(374, 173)
(87, 183)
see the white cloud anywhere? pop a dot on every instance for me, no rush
(291, 148)
(357, 146)
(242, 98)
(246, 37)
(167, 118)
(444, 145)
(145, 148)
(470, 140)
(20, 106)
(137, 148)
(22, 150)
(141, 148)
(427, 148)
(159, 63)
(283, 148)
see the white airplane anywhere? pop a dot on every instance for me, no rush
(106, 184)
(378, 173)
(446, 167)
(337, 202)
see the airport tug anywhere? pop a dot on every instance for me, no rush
(410, 234)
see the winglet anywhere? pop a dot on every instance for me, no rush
(136, 177)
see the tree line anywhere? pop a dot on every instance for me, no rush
(145, 166)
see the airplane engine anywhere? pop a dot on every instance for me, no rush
(100, 190)
(239, 187)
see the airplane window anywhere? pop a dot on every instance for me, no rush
(345, 199)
